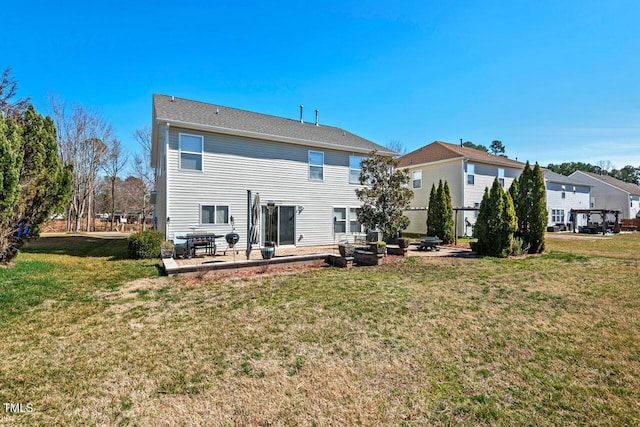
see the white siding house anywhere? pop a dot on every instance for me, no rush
(467, 171)
(563, 194)
(610, 193)
(207, 157)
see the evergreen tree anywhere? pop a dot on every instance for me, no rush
(438, 211)
(384, 196)
(496, 222)
(431, 213)
(531, 208)
(44, 182)
(446, 211)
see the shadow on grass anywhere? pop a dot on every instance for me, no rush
(114, 248)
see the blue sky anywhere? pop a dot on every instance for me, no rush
(555, 81)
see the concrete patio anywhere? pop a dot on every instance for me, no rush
(306, 255)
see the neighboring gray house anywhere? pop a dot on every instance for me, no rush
(207, 156)
(563, 194)
(468, 172)
(610, 193)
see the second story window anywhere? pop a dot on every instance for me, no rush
(416, 179)
(355, 166)
(501, 176)
(191, 152)
(316, 165)
(471, 173)
(564, 192)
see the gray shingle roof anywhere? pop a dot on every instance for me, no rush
(562, 179)
(624, 186)
(186, 112)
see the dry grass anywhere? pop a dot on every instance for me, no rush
(551, 339)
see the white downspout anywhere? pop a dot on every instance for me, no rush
(166, 182)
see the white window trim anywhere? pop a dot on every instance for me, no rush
(315, 166)
(349, 230)
(413, 180)
(201, 153)
(346, 219)
(472, 174)
(215, 209)
(355, 169)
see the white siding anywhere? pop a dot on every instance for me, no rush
(449, 171)
(485, 174)
(606, 196)
(578, 199)
(277, 171)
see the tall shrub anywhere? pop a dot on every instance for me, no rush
(531, 208)
(496, 222)
(432, 212)
(446, 214)
(29, 149)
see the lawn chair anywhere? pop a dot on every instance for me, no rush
(180, 246)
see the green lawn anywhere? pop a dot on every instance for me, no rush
(88, 338)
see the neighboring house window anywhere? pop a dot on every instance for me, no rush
(354, 224)
(477, 206)
(501, 176)
(339, 220)
(564, 192)
(557, 215)
(355, 166)
(471, 172)
(416, 179)
(214, 214)
(316, 165)
(191, 152)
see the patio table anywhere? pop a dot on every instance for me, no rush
(201, 240)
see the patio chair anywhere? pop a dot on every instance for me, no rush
(180, 246)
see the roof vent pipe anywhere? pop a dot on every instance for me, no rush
(317, 111)
(301, 107)
(173, 98)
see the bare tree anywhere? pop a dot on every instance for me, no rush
(115, 161)
(82, 140)
(10, 107)
(142, 165)
(397, 146)
(605, 166)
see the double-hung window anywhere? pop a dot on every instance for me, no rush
(339, 220)
(191, 152)
(213, 214)
(346, 224)
(564, 192)
(501, 176)
(354, 224)
(471, 172)
(557, 216)
(316, 165)
(416, 179)
(355, 166)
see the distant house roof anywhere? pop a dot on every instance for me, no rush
(561, 179)
(439, 150)
(624, 186)
(217, 118)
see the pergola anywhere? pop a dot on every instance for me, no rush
(602, 212)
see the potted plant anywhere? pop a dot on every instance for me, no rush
(378, 247)
(268, 250)
(166, 249)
